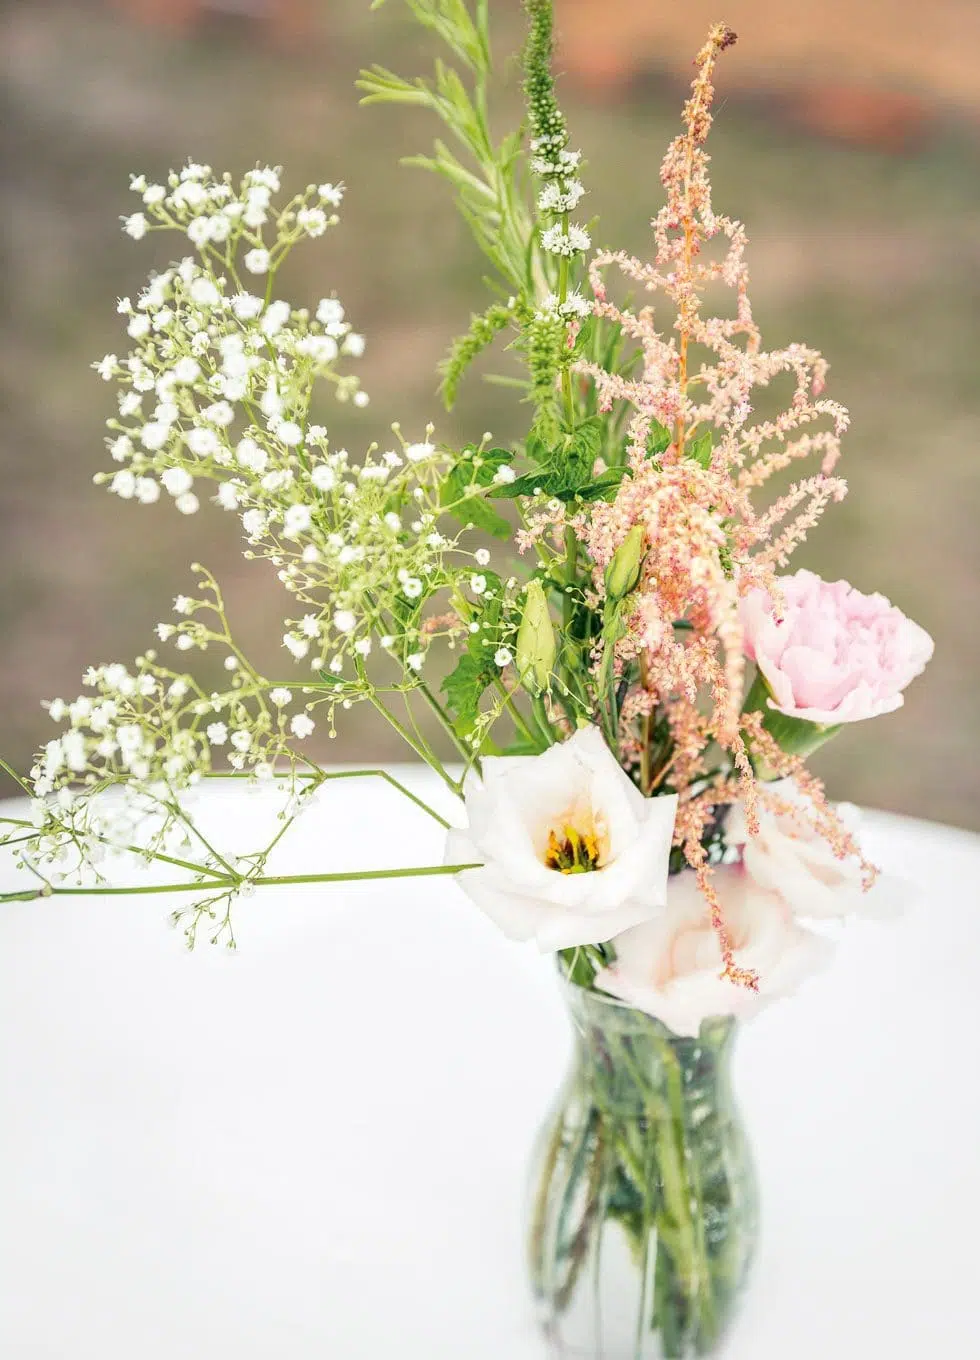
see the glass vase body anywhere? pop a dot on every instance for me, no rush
(643, 1204)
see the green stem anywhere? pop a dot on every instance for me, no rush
(566, 373)
(284, 880)
(519, 720)
(16, 778)
(390, 779)
(541, 719)
(407, 737)
(444, 719)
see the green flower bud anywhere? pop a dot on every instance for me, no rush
(536, 646)
(623, 571)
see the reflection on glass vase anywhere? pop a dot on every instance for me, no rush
(643, 1205)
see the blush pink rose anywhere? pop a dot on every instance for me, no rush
(835, 655)
(671, 965)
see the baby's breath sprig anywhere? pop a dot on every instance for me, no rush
(221, 376)
(116, 787)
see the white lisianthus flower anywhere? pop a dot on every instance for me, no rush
(792, 859)
(571, 851)
(671, 966)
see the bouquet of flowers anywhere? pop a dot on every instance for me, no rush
(625, 704)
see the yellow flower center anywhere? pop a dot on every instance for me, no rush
(571, 851)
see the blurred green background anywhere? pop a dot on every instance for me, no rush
(847, 138)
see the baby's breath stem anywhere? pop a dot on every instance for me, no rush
(16, 778)
(407, 737)
(266, 881)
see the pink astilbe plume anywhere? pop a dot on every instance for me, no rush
(706, 543)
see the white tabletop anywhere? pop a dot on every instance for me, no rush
(315, 1148)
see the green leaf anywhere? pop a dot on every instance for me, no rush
(566, 469)
(701, 449)
(464, 686)
(585, 337)
(658, 440)
(604, 488)
(475, 469)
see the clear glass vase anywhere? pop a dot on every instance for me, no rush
(643, 1205)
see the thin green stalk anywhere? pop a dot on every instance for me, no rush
(541, 718)
(8, 769)
(444, 718)
(407, 737)
(179, 812)
(520, 722)
(229, 885)
(566, 372)
(364, 875)
(390, 779)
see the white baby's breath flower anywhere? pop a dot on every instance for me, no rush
(177, 481)
(123, 484)
(188, 503)
(246, 306)
(298, 646)
(204, 292)
(135, 225)
(221, 413)
(329, 312)
(345, 620)
(280, 696)
(572, 853)
(301, 725)
(503, 656)
(275, 317)
(331, 193)
(202, 442)
(251, 455)
(154, 435)
(147, 491)
(257, 261)
(482, 557)
(217, 733)
(312, 220)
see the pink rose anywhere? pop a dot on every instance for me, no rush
(790, 858)
(835, 655)
(671, 965)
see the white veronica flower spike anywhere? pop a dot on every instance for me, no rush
(571, 851)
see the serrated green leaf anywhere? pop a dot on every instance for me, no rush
(604, 487)
(464, 686)
(475, 468)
